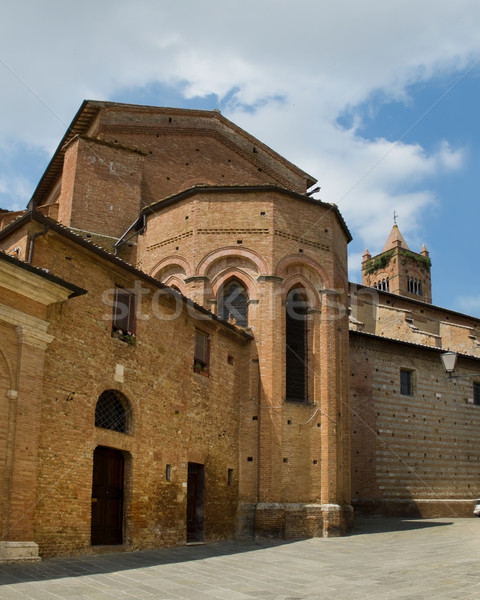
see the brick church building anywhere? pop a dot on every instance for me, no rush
(185, 361)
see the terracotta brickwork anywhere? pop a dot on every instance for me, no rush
(412, 455)
(101, 187)
(25, 296)
(176, 415)
(399, 318)
(399, 270)
(264, 420)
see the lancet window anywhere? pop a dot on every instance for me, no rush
(233, 303)
(296, 326)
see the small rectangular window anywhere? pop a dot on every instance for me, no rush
(123, 316)
(168, 472)
(476, 393)
(230, 477)
(202, 352)
(406, 382)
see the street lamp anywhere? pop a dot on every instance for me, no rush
(449, 360)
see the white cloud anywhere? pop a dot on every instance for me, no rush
(302, 64)
(15, 190)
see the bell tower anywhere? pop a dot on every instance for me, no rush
(398, 270)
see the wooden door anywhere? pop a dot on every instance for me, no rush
(107, 497)
(195, 507)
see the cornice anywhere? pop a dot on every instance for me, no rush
(32, 283)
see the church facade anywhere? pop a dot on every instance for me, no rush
(185, 361)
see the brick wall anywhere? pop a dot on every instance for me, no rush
(289, 461)
(101, 187)
(412, 454)
(178, 416)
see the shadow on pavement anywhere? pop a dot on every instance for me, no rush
(372, 525)
(92, 564)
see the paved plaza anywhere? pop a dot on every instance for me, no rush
(383, 559)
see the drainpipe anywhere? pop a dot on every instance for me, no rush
(122, 240)
(33, 237)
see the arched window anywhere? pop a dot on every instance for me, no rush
(414, 286)
(296, 346)
(112, 411)
(382, 284)
(233, 303)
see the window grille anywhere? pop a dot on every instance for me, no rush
(233, 303)
(111, 413)
(296, 347)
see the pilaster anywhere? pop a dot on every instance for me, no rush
(334, 407)
(197, 289)
(22, 429)
(270, 354)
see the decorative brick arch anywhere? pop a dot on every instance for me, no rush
(233, 273)
(299, 281)
(380, 281)
(231, 251)
(171, 261)
(175, 281)
(305, 263)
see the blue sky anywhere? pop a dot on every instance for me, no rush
(378, 101)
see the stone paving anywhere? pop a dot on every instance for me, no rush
(383, 559)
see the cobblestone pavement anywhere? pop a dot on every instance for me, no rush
(383, 559)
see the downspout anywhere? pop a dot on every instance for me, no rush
(123, 239)
(33, 237)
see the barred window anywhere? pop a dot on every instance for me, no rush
(111, 411)
(296, 347)
(233, 303)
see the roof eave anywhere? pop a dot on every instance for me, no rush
(37, 216)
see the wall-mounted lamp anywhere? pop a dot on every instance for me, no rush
(449, 360)
(70, 396)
